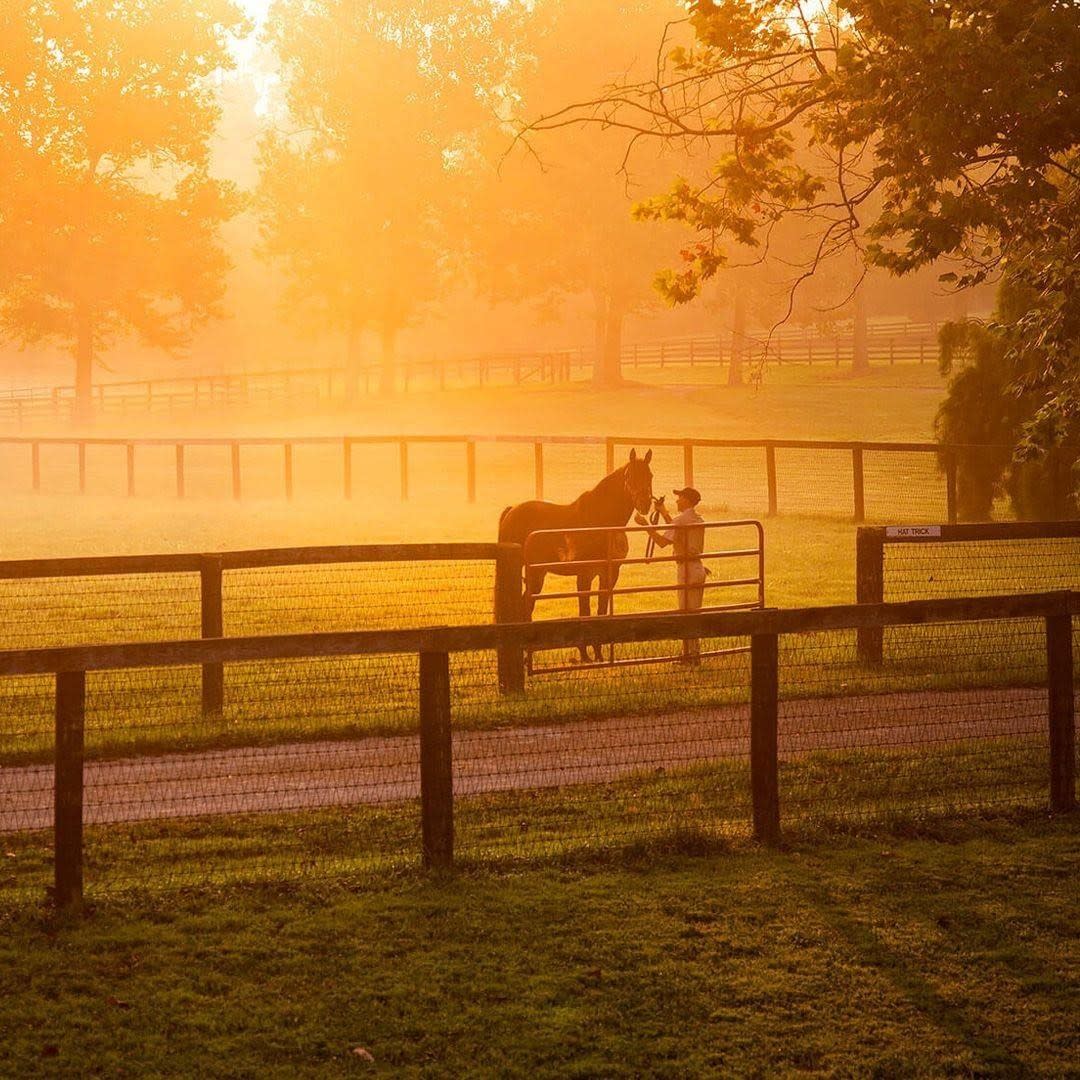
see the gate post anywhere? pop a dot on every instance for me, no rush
(509, 608)
(68, 788)
(212, 626)
(870, 589)
(1062, 711)
(436, 761)
(764, 708)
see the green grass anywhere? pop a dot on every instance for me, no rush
(653, 809)
(953, 953)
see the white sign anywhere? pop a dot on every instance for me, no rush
(912, 532)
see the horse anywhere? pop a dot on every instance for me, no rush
(608, 505)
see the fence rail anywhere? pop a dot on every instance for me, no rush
(969, 559)
(773, 472)
(895, 341)
(434, 647)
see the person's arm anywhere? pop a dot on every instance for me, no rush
(654, 534)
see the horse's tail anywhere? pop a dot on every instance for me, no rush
(502, 518)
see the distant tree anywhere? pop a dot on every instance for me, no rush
(108, 215)
(553, 219)
(359, 193)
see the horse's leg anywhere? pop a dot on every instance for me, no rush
(605, 601)
(584, 584)
(534, 584)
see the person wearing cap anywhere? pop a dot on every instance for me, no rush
(686, 532)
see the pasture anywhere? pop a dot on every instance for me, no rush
(950, 952)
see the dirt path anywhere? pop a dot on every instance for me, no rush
(386, 769)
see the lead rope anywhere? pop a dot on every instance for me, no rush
(650, 543)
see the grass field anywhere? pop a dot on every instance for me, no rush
(953, 952)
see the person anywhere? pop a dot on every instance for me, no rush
(686, 533)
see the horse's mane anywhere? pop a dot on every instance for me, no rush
(600, 489)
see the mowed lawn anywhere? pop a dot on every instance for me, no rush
(955, 954)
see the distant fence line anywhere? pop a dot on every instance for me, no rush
(438, 748)
(769, 450)
(892, 342)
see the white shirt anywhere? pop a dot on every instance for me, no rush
(689, 543)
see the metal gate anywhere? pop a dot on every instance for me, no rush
(629, 583)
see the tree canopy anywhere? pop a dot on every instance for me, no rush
(360, 186)
(914, 131)
(108, 213)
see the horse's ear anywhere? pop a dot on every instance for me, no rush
(633, 454)
(648, 456)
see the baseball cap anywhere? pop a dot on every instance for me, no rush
(692, 494)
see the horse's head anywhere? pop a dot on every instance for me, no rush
(637, 479)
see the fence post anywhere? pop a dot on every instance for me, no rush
(764, 706)
(288, 471)
(870, 589)
(213, 626)
(857, 479)
(35, 466)
(436, 761)
(131, 468)
(82, 467)
(950, 487)
(68, 788)
(234, 456)
(609, 452)
(770, 472)
(470, 470)
(179, 470)
(538, 465)
(1062, 711)
(346, 462)
(688, 464)
(403, 458)
(509, 608)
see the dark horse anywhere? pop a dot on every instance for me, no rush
(609, 505)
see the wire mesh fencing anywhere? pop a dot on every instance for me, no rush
(593, 761)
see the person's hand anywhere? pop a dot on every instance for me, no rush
(640, 518)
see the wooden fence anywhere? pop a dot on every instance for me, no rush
(211, 567)
(346, 445)
(871, 543)
(434, 646)
(896, 341)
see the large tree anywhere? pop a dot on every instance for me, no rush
(360, 184)
(553, 217)
(910, 130)
(108, 214)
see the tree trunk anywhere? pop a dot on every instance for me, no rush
(607, 371)
(738, 341)
(860, 354)
(353, 363)
(84, 367)
(388, 376)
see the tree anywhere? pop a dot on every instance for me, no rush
(553, 217)
(108, 215)
(357, 197)
(910, 130)
(983, 411)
